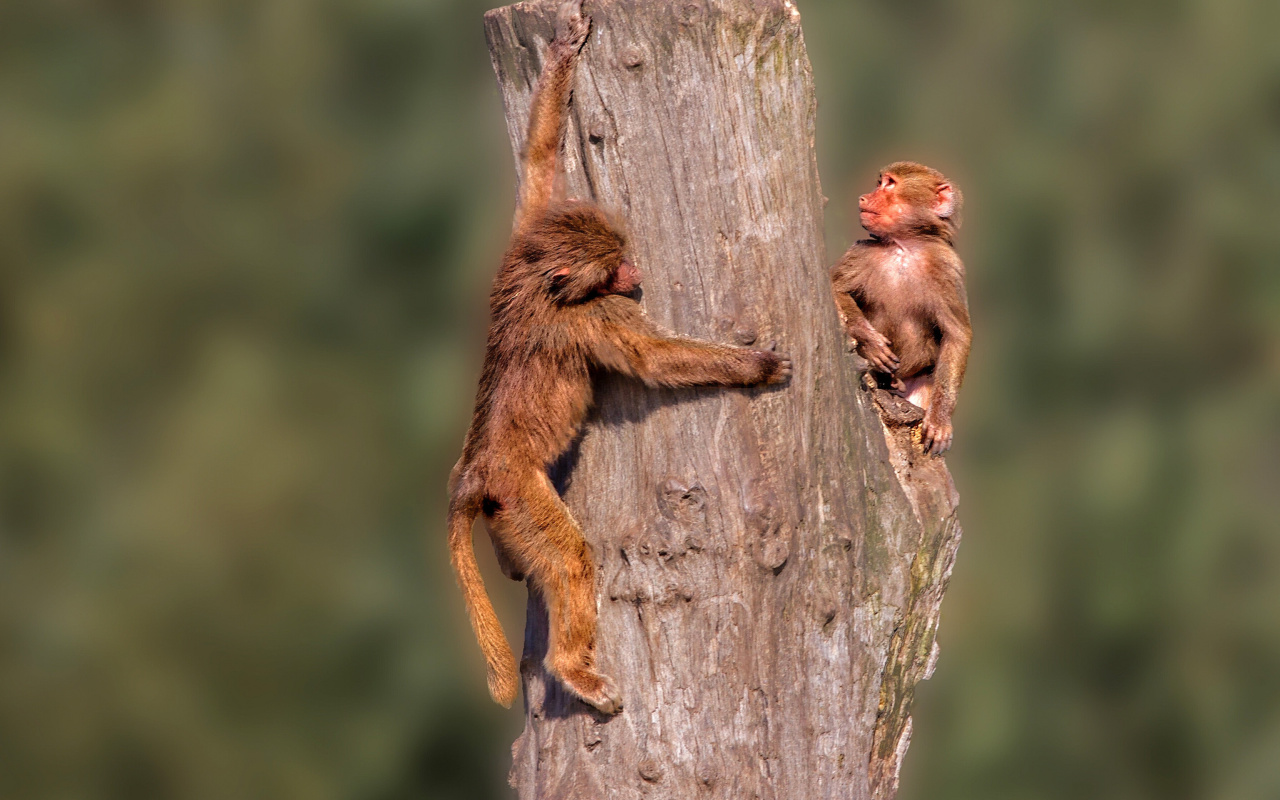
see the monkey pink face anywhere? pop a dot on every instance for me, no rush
(883, 211)
(901, 203)
(626, 279)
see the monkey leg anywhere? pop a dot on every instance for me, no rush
(507, 562)
(546, 544)
(917, 390)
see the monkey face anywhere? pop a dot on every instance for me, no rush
(626, 279)
(909, 197)
(882, 212)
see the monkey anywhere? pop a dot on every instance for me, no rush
(901, 293)
(562, 309)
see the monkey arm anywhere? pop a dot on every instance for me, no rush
(631, 345)
(855, 322)
(948, 373)
(872, 345)
(548, 111)
(686, 362)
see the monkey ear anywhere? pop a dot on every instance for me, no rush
(557, 279)
(564, 285)
(945, 203)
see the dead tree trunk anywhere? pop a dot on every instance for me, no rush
(771, 561)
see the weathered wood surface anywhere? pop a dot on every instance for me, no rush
(771, 561)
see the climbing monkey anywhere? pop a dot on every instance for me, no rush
(901, 293)
(560, 310)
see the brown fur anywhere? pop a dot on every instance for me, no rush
(901, 293)
(559, 312)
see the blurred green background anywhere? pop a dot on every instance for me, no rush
(244, 252)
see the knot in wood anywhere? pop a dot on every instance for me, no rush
(770, 539)
(652, 567)
(690, 13)
(632, 56)
(650, 770)
(682, 502)
(706, 773)
(843, 536)
(826, 606)
(591, 735)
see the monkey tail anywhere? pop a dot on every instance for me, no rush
(503, 676)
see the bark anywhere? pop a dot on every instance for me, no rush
(771, 562)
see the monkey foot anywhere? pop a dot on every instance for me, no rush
(594, 689)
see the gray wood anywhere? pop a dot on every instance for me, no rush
(771, 561)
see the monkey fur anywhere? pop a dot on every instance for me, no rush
(901, 293)
(560, 311)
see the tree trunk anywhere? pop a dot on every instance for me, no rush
(771, 561)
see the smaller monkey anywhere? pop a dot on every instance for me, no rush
(901, 293)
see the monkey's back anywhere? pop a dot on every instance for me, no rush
(534, 392)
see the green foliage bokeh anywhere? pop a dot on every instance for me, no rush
(244, 251)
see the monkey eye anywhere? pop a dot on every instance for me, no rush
(889, 183)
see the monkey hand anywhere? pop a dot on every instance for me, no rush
(874, 347)
(572, 26)
(935, 434)
(773, 367)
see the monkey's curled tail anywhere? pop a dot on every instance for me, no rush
(503, 677)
